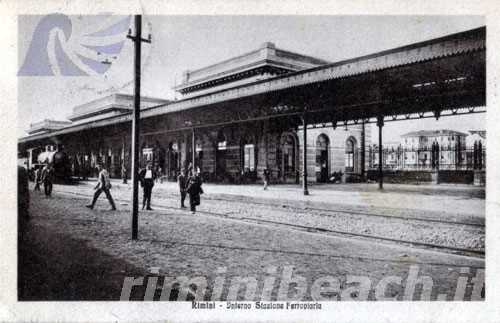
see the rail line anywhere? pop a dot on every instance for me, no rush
(303, 253)
(301, 210)
(465, 251)
(333, 211)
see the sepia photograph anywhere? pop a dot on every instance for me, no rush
(251, 163)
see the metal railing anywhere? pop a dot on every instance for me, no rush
(427, 158)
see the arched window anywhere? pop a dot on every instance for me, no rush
(221, 141)
(147, 154)
(288, 147)
(248, 161)
(322, 160)
(220, 155)
(286, 157)
(172, 160)
(199, 153)
(350, 146)
(249, 157)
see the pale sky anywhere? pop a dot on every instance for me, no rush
(190, 42)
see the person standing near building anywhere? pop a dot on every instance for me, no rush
(194, 190)
(103, 185)
(267, 176)
(182, 181)
(47, 179)
(158, 174)
(37, 176)
(124, 173)
(147, 177)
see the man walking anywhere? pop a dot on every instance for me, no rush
(182, 181)
(48, 179)
(103, 185)
(147, 177)
(37, 176)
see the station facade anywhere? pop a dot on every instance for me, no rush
(231, 152)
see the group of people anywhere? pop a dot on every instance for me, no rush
(188, 185)
(46, 177)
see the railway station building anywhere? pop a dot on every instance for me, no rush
(236, 153)
(275, 109)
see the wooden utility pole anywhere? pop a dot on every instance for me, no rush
(137, 39)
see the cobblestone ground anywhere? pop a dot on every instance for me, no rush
(75, 253)
(339, 208)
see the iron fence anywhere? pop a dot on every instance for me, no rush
(428, 158)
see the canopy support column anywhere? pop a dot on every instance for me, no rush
(363, 151)
(193, 147)
(304, 155)
(380, 124)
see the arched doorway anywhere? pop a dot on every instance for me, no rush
(172, 160)
(288, 158)
(248, 158)
(322, 150)
(199, 153)
(220, 156)
(350, 155)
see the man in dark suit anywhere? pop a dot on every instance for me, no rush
(147, 177)
(194, 190)
(182, 181)
(48, 179)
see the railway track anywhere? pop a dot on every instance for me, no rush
(331, 211)
(325, 231)
(172, 243)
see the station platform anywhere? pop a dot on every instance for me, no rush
(456, 199)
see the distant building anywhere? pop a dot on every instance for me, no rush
(433, 149)
(426, 149)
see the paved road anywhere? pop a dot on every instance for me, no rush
(87, 255)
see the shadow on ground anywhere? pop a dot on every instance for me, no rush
(55, 267)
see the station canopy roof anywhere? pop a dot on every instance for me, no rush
(447, 73)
